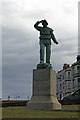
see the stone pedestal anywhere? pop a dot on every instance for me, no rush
(44, 91)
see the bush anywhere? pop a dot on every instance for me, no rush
(14, 103)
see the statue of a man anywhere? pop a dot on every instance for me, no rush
(46, 34)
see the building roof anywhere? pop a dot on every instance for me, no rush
(66, 67)
(76, 63)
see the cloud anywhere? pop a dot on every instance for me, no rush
(0, 51)
(19, 58)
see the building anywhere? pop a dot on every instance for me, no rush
(68, 79)
(76, 74)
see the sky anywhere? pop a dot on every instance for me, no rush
(20, 40)
(79, 27)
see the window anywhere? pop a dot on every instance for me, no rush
(58, 79)
(57, 86)
(68, 74)
(78, 69)
(60, 86)
(74, 70)
(68, 84)
(76, 82)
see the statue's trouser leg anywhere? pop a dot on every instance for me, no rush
(41, 52)
(48, 53)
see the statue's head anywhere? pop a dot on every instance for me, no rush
(44, 23)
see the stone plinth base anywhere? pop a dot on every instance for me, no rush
(43, 103)
(44, 91)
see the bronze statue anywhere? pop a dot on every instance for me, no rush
(46, 34)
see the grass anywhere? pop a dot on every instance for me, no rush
(0, 112)
(21, 112)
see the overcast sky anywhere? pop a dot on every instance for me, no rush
(21, 41)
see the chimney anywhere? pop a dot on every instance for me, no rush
(65, 66)
(78, 58)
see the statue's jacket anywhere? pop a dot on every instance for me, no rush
(46, 33)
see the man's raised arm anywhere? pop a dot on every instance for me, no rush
(36, 25)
